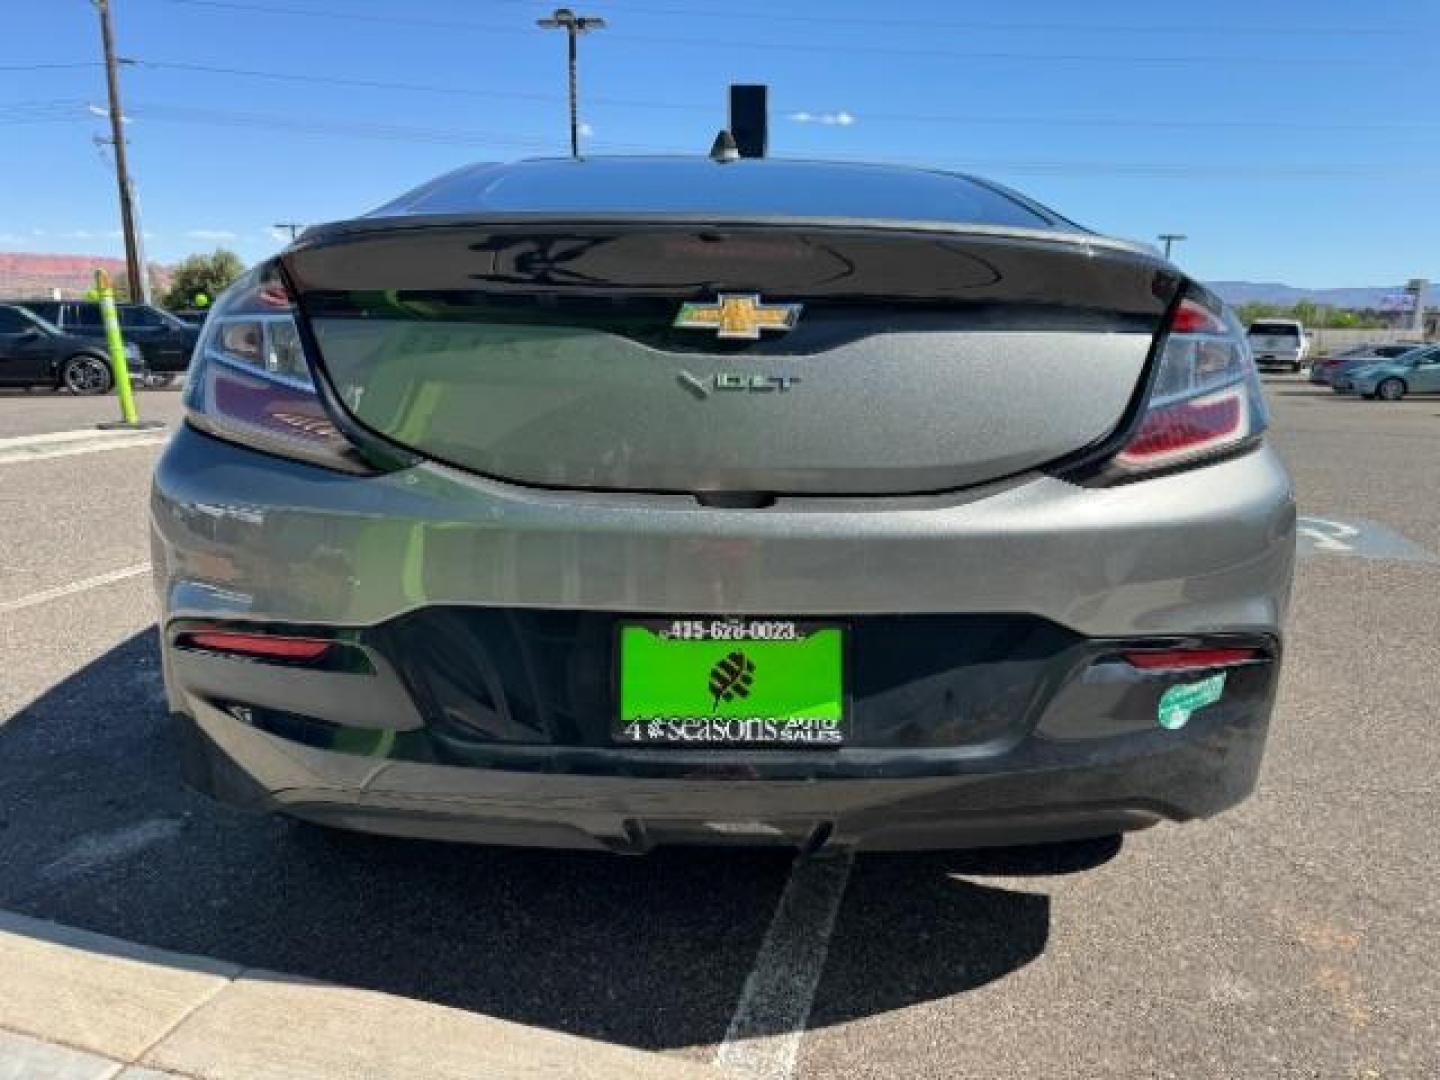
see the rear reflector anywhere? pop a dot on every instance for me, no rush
(1190, 659)
(260, 646)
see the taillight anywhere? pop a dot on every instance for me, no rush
(251, 383)
(1205, 395)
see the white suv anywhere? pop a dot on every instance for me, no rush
(1278, 343)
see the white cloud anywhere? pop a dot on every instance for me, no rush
(586, 129)
(280, 236)
(80, 234)
(211, 234)
(829, 119)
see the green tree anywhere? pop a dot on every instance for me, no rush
(1251, 310)
(208, 274)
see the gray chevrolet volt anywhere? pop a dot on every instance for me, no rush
(620, 502)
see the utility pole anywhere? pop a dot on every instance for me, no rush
(135, 270)
(573, 25)
(1169, 238)
(292, 227)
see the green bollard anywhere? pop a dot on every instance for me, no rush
(119, 369)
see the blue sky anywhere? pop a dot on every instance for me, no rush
(1294, 142)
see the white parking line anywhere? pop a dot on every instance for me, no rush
(108, 578)
(763, 1040)
(56, 444)
(91, 853)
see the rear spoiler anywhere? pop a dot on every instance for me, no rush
(677, 258)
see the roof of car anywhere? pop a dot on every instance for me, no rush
(749, 187)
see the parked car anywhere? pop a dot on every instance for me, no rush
(165, 342)
(1324, 368)
(1278, 343)
(34, 352)
(1342, 377)
(620, 502)
(1417, 372)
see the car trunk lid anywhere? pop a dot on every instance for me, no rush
(786, 358)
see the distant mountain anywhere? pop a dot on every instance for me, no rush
(23, 274)
(1272, 292)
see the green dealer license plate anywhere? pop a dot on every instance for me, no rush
(731, 682)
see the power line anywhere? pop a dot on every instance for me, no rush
(42, 110)
(710, 43)
(304, 125)
(50, 67)
(1176, 123)
(8, 122)
(1043, 167)
(424, 88)
(769, 14)
(157, 112)
(351, 16)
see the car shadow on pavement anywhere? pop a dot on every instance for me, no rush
(98, 832)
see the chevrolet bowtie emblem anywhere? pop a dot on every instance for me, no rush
(738, 315)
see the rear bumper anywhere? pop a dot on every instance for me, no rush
(1020, 725)
(1037, 792)
(1279, 360)
(496, 727)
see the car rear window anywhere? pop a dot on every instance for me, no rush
(1265, 329)
(769, 188)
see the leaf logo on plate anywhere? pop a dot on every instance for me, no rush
(731, 678)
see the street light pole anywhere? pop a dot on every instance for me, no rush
(292, 227)
(573, 25)
(1169, 238)
(135, 271)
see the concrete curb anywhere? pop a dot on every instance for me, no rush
(135, 1005)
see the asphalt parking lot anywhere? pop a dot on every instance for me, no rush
(1293, 937)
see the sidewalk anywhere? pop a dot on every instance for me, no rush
(81, 1006)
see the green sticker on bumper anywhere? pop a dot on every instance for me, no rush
(731, 682)
(1179, 702)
